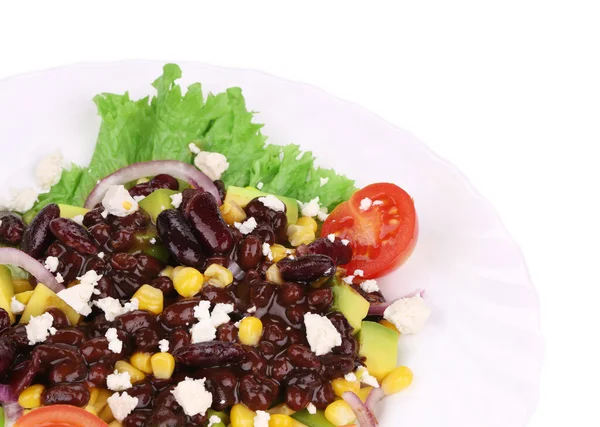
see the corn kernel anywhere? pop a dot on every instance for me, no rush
(232, 212)
(282, 409)
(397, 380)
(163, 365)
(22, 285)
(31, 397)
(341, 385)
(241, 416)
(91, 409)
(280, 420)
(188, 281)
(217, 275)
(307, 222)
(388, 325)
(364, 392)
(150, 298)
(141, 361)
(279, 252)
(94, 392)
(126, 205)
(24, 297)
(177, 269)
(250, 330)
(115, 423)
(106, 415)
(339, 413)
(135, 374)
(103, 395)
(167, 271)
(298, 235)
(274, 275)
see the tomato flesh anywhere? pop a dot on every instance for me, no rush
(383, 236)
(60, 416)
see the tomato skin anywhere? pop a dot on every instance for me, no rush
(60, 416)
(383, 236)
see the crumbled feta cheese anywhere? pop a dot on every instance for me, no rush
(321, 334)
(101, 255)
(359, 273)
(311, 208)
(220, 314)
(365, 204)
(153, 241)
(90, 278)
(39, 327)
(272, 202)
(118, 381)
(201, 311)
(16, 306)
(78, 298)
(251, 309)
(203, 331)
(59, 278)
(49, 170)
(266, 250)
(78, 219)
(367, 378)
(369, 286)
(21, 200)
(409, 315)
(345, 242)
(194, 148)
(311, 408)
(163, 346)
(260, 185)
(139, 198)
(377, 202)
(114, 343)
(117, 201)
(212, 164)
(176, 200)
(192, 396)
(51, 264)
(322, 214)
(122, 405)
(112, 307)
(350, 377)
(331, 237)
(213, 420)
(247, 226)
(348, 279)
(261, 419)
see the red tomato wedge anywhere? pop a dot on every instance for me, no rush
(383, 236)
(59, 416)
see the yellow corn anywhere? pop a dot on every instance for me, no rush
(307, 222)
(341, 385)
(135, 374)
(217, 275)
(339, 413)
(388, 325)
(187, 281)
(106, 414)
(100, 402)
(232, 212)
(279, 252)
(31, 397)
(141, 361)
(280, 420)
(364, 392)
(22, 285)
(24, 297)
(163, 365)
(241, 416)
(397, 380)
(298, 235)
(150, 298)
(282, 409)
(250, 330)
(126, 205)
(115, 423)
(94, 392)
(91, 409)
(274, 275)
(167, 271)
(177, 269)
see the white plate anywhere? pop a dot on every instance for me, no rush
(477, 364)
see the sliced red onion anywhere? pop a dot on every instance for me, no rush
(12, 411)
(378, 308)
(6, 394)
(374, 398)
(236, 270)
(176, 169)
(364, 416)
(34, 267)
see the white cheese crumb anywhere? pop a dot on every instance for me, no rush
(114, 343)
(139, 198)
(153, 241)
(311, 208)
(348, 279)
(118, 381)
(322, 214)
(211, 164)
(101, 255)
(194, 148)
(409, 315)
(16, 306)
(323, 181)
(163, 346)
(311, 408)
(78, 219)
(365, 204)
(247, 226)
(261, 419)
(272, 202)
(117, 201)
(251, 309)
(193, 396)
(201, 311)
(220, 314)
(112, 307)
(49, 170)
(359, 273)
(213, 420)
(350, 377)
(260, 185)
(266, 250)
(331, 237)
(39, 327)
(369, 286)
(176, 200)
(367, 378)
(203, 331)
(122, 405)
(377, 202)
(321, 334)
(51, 264)
(59, 278)
(78, 296)
(21, 200)
(345, 242)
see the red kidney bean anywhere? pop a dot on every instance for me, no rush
(144, 392)
(215, 295)
(101, 232)
(320, 300)
(98, 372)
(105, 286)
(37, 237)
(290, 293)
(279, 226)
(149, 267)
(336, 366)
(56, 249)
(18, 336)
(218, 259)
(142, 189)
(261, 293)
(135, 221)
(4, 319)
(258, 392)
(122, 240)
(125, 283)
(177, 236)
(135, 320)
(253, 361)
(93, 217)
(186, 196)
(179, 314)
(123, 262)
(341, 324)
(96, 264)
(73, 235)
(22, 375)
(265, 233)
(303, 357)
(306, 268)
(7, 355)
(146, 340)
(341, 254)
(164, 417)
(295, 313)
(267, 349)
(296, 398)
(67, 371)
(164, 181)
(220, 188)
(274, 330)
(305, 379)
(222, 384)
(349, 347)
(179, 338)
(96, 349)
(297, 336)
(165, 285)
(136, 418)
(67, 394)
(49, 354)
(11, 228)
(208, 225)
(70, 336)
(263, 267)
(165, 399)
(70, 265)
(281, 367)
(227, 332)
(207, 354)
(60, 319)
(249, 252)
(323, 395)
(258, 210)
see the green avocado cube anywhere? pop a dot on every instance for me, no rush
(349, 302)
(68, 211)
(379, 345)
(312, 420)
(242, 197)
(156, 202)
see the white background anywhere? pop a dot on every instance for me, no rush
(509, 91)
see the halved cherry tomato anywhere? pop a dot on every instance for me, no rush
(383, 236)
(60, 416)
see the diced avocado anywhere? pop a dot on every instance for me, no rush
(242, 197)
(222, 415)
(7, 290)
(44, 298)
(68, 211)
(24, 297)
(143, 243)
(380, 347)
(350, 303)
(158, 252)
(21, 285)
(1, 416)
(157, 201)
(312, 420)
